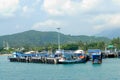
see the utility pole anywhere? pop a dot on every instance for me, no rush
(58, 38)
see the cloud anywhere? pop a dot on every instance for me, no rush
(8, 7)
(116, 2)
(80, 7)
(46, 25)
(27, 10)
(89, 4)
(107, 21)
(61, 7)
(30, 7)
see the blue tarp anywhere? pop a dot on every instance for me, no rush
(94, 50)
(19, 54)
(96, 57)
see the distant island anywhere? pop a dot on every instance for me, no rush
(37, 40)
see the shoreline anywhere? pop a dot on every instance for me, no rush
(5, 54)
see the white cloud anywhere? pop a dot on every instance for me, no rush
(46, 24)
(61, 7)
(8, 7)
(108, 21)
(89, 4)
(26, 9)
(29, 9)
(116, 2)
(115, 20)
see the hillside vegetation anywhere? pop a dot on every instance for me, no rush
(37, 38)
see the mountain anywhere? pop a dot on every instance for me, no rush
(38, 38)
(110, 33)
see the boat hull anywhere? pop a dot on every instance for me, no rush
(72, 61)
(97, 61)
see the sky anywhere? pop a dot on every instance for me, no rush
(74, 17)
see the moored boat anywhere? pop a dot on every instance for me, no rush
(72, 57)
(95, 55)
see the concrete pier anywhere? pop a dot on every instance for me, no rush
(34, 60)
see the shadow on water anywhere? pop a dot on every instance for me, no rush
(96, 65)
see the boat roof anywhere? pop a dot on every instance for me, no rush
(30, 52)
(94, 50)
(59, 52)
(96, 54)
(78, 51)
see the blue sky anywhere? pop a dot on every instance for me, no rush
(75, 17)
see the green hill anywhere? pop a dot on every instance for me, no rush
(38, 38)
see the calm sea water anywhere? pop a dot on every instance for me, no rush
(108, 70)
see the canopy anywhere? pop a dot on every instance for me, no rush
(78, 51)
(94, 51)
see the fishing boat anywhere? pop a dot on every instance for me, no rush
(111, 51)
(71, 57)
(95, 55)
(60, 57)
(96, 58)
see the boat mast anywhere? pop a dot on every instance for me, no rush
(58, 38)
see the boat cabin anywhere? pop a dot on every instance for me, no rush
(95, 55)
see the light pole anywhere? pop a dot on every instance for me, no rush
(105, 48)
(58, 38)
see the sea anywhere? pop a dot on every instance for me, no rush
(108, 70)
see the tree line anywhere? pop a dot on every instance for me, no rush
(67, 46)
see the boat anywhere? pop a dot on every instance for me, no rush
(60, 57)
(111, 51)
(95, 55)
(27, 56)
(71, 57)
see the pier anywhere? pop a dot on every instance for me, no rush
(59, 57)
(34, 60)
(110, 55)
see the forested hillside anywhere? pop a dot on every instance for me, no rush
(38, 38)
